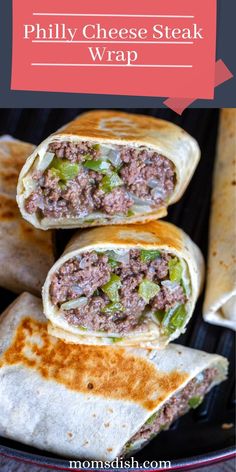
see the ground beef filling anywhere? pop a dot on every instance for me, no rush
(177, 406)
(148, 178)
(86, 274)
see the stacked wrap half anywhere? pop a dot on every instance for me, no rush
(220, 299)
(124, 150)
(26, 254)
(156, 241)
(88, 401)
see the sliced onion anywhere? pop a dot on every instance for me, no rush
(141, 209)
(105, 150)
(158, 192)
(76, 303)
(45, 163)
(76, 289)
(119, 256)
(29, 185)
(114, 157)
(171, 286)
(140, 201)
(152, 183)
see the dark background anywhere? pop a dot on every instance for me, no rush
(225, 94)
(199, 432)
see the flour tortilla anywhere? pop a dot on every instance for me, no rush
(154, 235)
(80, 401)
(220, 299)
(26, 254)
(113, 127)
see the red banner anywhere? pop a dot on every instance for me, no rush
(126, 48)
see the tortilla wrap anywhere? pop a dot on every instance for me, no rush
(26, 254)
(154, 236)
(122, 129)
(220, 298)
(80, 401)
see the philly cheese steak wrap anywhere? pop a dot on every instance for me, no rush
(26, 254)
(129, 285)
(106, 167)
(88, 401)
(220, 299)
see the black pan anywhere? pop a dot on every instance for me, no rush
(198, 438)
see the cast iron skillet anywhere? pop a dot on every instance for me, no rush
(197, 438)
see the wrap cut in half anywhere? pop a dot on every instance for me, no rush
(129, 285)
(26, 254)
(82, 401)
(106, 167)
(220, 299)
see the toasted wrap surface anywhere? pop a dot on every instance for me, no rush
(82, 401)
(220, 298)
(157, 235)
(26, 254)
(113, 127)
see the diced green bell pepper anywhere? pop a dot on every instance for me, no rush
(148, 290)
(111, 288)
(116, 340)
(175, 320)
(114, 264)
(175, 270)
(130, 213)
(97, 165)
(194, 402)
(111, 181)
(151, 418)
(112, 308)
(64, 169)
(159, 315)
(149, 256)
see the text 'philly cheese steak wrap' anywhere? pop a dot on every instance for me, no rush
(129, 285)
(89, 401)
(26, 254)
(220, 299)
(106, 167)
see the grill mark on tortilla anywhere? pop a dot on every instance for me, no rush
(10, 214)
(113, 372)
(12, 158)
(125, 127)
(153, 235)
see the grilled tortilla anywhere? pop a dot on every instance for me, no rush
(129, 285)
(220, 299)
(106, 167)
(82, 401)
(26, 254)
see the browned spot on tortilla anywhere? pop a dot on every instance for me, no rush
(214, 253)
(24, 233)
(152, 235)
(109, 449)
(12, 158)
(107, 125)
(8, 208)
(75, 366)
(233, 182)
